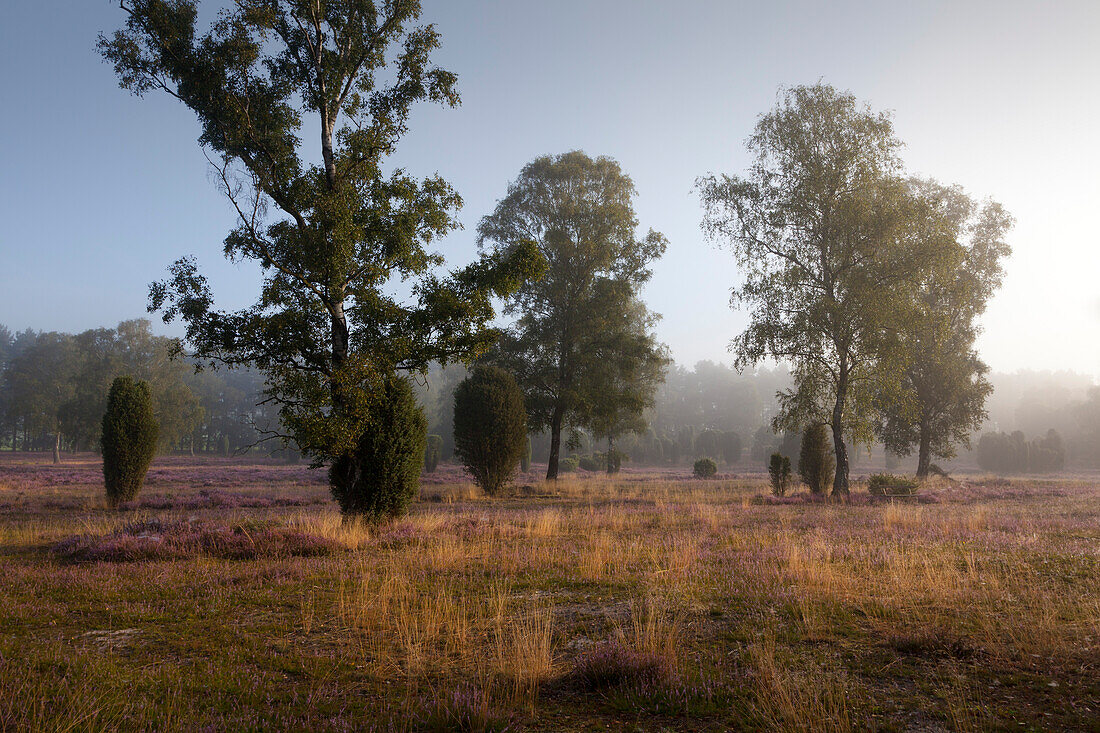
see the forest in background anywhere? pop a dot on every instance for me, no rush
(53, 389)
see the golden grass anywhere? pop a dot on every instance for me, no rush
(500, 591)
(793, 700)
(902, 516)
(653, 629)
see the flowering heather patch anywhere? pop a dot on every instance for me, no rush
(464, 710)
(612, 663)
(855, 499)
(33, 471)
(724, 611)
(207, 499)
(157, 540)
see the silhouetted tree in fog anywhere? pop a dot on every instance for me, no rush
(631, 366)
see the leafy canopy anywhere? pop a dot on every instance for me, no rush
(827, 239)
(943, 381)
(334, 230)
(578, 211)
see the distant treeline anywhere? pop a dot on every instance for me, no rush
(1004, 453)
(714, 411)
(53, 391)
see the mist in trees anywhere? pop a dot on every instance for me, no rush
(709, 410)
(834, 244)
(939, 398)
(54, 386)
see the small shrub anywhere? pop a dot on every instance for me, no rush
(592, 462)
(614, 664)
(815, 459)
(705, 468)
(887, 484)
(779, 470)
(382, 476)
(432, 452)
(568, 464)
(490, 424)
(129, 439)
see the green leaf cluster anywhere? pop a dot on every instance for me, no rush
(352, 292)
(581, 347)
(490, 427)
(382, 476)
(129, 438)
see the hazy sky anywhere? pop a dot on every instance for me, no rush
(100, 191)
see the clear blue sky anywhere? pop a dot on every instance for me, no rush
(100, 191)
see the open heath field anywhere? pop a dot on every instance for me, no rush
(231, 596)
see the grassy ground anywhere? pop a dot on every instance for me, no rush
(230, 596)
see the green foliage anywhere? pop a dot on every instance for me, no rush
(57, 383)
(381, 476)
(129, 436)
(39, 383)
(593, 462)
(779, 471)
(943, 389)
(490, 426)
(436, 393)
(614, 460)
(815, 459)
(631, 367)
(131, 348)
(581, 347)
(431, 453)
(569, 464)
(825, 232)
(331, 234)
(1013, 453)
(886, 484)
(709, 443)
(765, 442)
(704, 468)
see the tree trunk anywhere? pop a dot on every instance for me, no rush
(924, 454)
(57, 447)
(840, 478)
(555, 444)
(610, 452)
